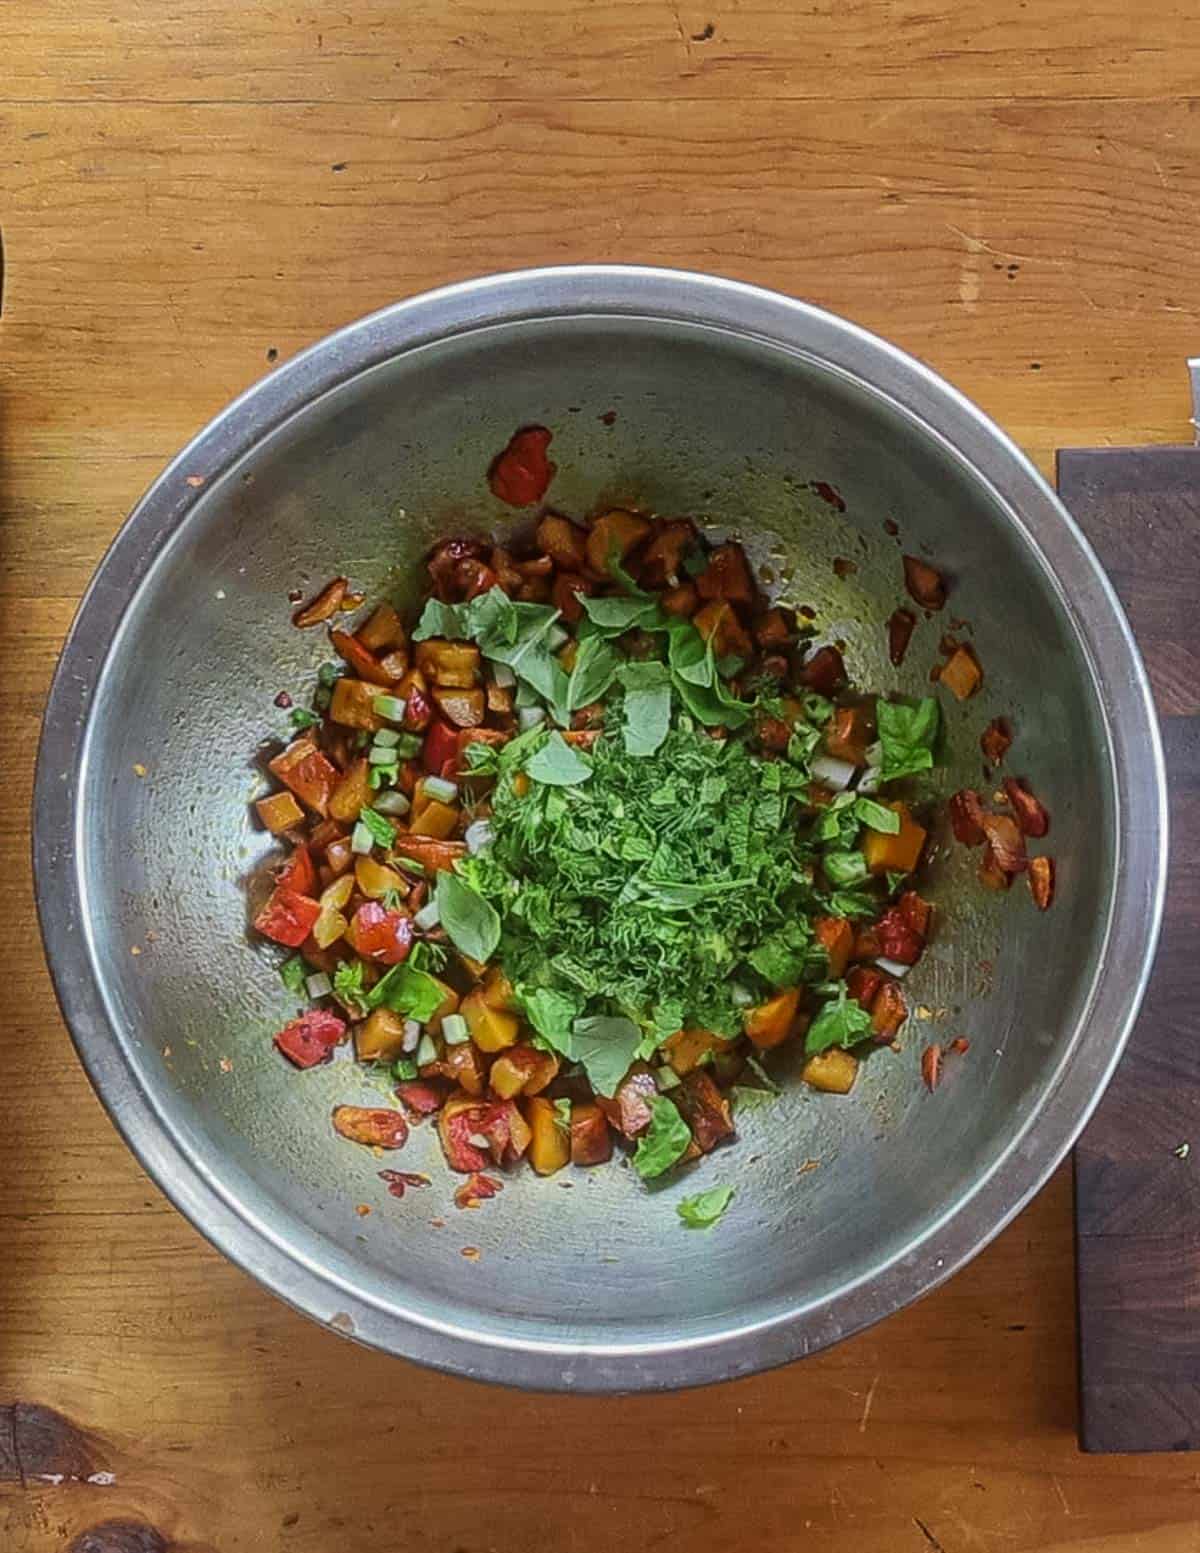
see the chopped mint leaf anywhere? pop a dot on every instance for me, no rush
(664, 1142)
(606, 1046)
(841, 1022)
(472, 923)
(906, 736)
(705, 1208)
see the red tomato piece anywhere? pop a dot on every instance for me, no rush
(824, 672)
(288, 917)
(521, 474)
(863, 982)
(418, 710)
(375, 1127)
(299, 873)
(310, 1039)
(440, 750)
(380, 935)
(897, 940)
(420, 1097)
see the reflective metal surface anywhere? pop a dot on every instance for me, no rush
(729, 402)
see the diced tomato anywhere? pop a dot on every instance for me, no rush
(897, 940)
(931, 1066)
(704, 1108)
(1005, 841)
(304, 769)
(288, 917)
(361, 659)
(398, 1181)
(310, 1039)
(917, 912)
(825, 671)
(774, 734)
(418, 711)
(521, 474)
(888, 1011)
(727, 576)
(629, 1109)
(422, 1098)
(456, 1132)
(375, 1127)
(439, 753)
(299, 873)
(849, 734)
(434, 855)
(383, 936)
(863, 982)
(454, 565)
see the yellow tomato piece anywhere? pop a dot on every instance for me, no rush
(381, 1038)
(352, 794)
(898, 852)
(353, 704)
(549, 1144)
(336, 895)
(375, 880)
(435, 819)
(687, 1049)
(771, 1022)
(329, 927)
(833, 1071)
(491, 1028)
(279, 812)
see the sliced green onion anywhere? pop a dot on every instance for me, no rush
(426, 1051)
(321, 700)
(503, 676)
(361, 840)
(428, 917)
(408, 745)
(391, 803)
(413, 1032)
(454, 1030)
(739, 996)
(530, 717)
(439, 789)
(666, 1078)
(410, 865)
(379, 827)
(328, 674)
(301, 717)
(386, 738)
(319, 986)
(389, 707)
(380, 776)
(377, 755)
(404, 1069)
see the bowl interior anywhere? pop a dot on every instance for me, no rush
(732, 431)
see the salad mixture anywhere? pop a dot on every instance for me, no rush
(574, 851)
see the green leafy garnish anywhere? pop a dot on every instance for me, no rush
(613, 616)
(906, 736)
(605, 1045)
(292, 973)
(557, 764)
(841, 1022)
(551, 1014)
(877, 815)
(705, 1208)
(407, 991)
(647, 706)
(596, 664)
(382, 831)
(562, 1116)
(301, 717)
(348, 982)
(844, 868)
(664, 1141)
(471, 921)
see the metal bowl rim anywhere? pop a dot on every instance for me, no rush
(665, 296)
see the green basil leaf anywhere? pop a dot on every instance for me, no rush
(705, 1208)
(877, 815)
(688, 655)
(664, 1142)
(552, 1015)
(647, 706)
(844, 868)
(558, 764)
(407, 991)
(841, 1022)
(471, 922)
(906, 736)
(605, 1044)
(616, 613)
(596, 664)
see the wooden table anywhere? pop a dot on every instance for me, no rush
(190, 192)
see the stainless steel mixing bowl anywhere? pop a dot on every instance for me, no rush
(729, 402)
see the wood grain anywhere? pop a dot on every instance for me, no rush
(1137, 1201)
(1010, 192)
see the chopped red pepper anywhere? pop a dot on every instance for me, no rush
(383, 936)
(1032, 816)
(476, 1189)
(900, 628)
(966, 818)
(995, 740)
(439, 753)
(299, 873)
(399, 1180)
(288, 917)
(422, 1098)
(521, 474)
(825, 671)
(897, 940)
(1041, 882)
(924, 582)
(931, 1066)
(863, 982)
(310, 1039)
(1005, 841)
(373, 1126)
(418, 711)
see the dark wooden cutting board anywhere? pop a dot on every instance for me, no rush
(1137, 1167)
